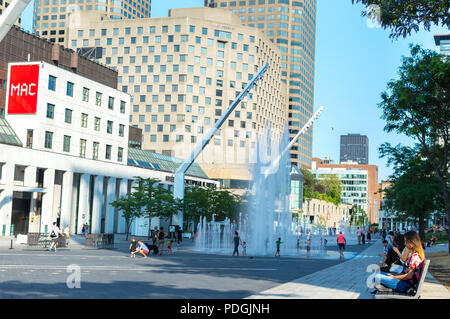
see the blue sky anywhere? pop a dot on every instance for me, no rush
(353, 65)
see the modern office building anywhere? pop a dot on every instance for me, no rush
(360, 184)
(64, 154)
(183, 71)
(443, 41)
(51, 17)
(354, 148)
(291, 26)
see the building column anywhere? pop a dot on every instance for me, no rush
(97, 205)
(123, 190)
(30, 176)
(110, 197)
(66, 200)
(6, 198)
(83, 211)
(47, 200)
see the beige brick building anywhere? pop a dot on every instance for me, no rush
(51, 17)
(183, 71)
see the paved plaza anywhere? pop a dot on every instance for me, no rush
(38, 273)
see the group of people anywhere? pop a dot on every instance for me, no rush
(158, 239)
(362, 235)
(407, 251)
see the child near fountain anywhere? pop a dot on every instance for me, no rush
(278, 242)
(244, 249)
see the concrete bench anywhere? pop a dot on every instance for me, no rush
(390, 294)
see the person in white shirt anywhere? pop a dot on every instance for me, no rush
(54, 234)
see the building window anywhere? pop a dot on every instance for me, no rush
(98, 99)
(111, 103)
(68, 116)
(50, 111)
(121, 130)
(108, 152)
(109, 127)
(85, 95)
(120, 154)
(48, 139)
(84, 120)
(66, 145)
(52, 83)
(69, 90)
(122, 107)
(95, 151)
(29, 138)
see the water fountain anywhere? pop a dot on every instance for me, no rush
(268, 216)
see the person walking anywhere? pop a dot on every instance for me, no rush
(363, 238)
(161, 237)
(55, 232)
(237, 241)
(180, 235)
(67, 234)
(341, 241)
(369, 235)
(86, 229)
(83, 229)
(358, 233)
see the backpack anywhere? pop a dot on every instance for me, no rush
(53, 234)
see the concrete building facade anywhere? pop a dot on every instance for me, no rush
(327, 214)
(71, 167)
(291, 26)
(360, 185)
(183, 71)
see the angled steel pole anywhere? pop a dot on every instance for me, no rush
(10, 16)
(178, 191)
(274, 166)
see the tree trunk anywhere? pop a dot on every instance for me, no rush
(421, 226)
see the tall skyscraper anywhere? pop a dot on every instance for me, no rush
(291, 26)
(51, 17)
(355, 148)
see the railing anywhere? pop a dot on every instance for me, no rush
(44, 240)
(105, 241)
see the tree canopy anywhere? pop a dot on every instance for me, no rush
(417, 104)
(405, 16)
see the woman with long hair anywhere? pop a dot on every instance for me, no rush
(410, 274)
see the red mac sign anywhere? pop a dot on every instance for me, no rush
(23, 89)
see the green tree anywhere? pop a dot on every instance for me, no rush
(158, 201)
(418, 105)
(332, 188)
(131, 206)
(404, 16)
(416, 191)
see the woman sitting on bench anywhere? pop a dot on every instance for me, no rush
(409, 277)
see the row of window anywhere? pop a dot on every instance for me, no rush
(84, 120)
(48, 143)
(85, 94)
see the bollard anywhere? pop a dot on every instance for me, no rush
(11, 244)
